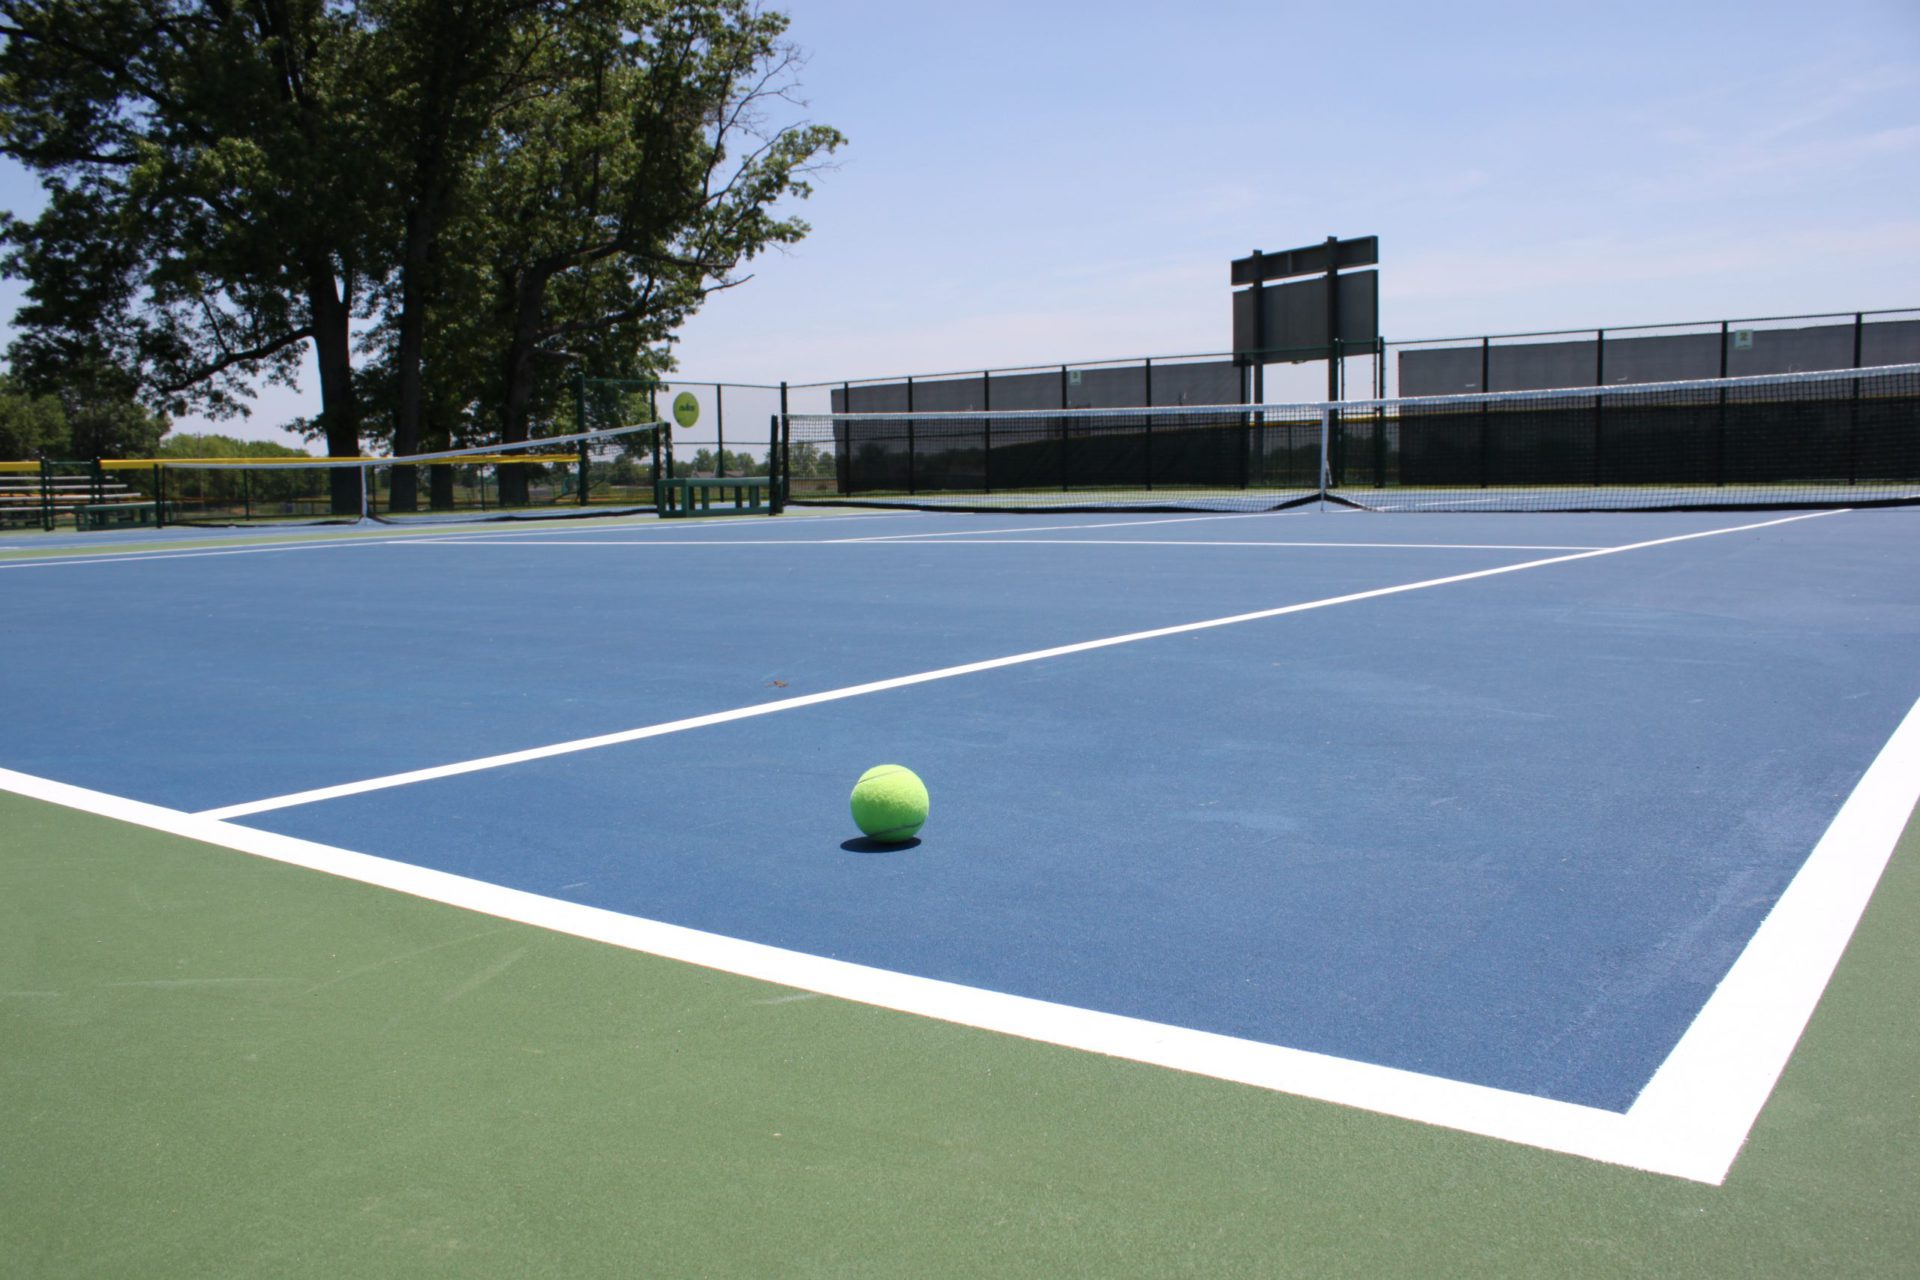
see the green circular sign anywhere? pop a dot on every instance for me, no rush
(686, 409)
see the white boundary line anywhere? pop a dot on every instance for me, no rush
(1056, 528)
(163, 553)
(952, 541)
(411, 776)
(1689, 1122)
(192, 547)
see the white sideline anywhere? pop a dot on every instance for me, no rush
(1689, 1122)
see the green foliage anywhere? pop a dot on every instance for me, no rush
(807, 460)
(197, 160)
(610, 210)
(112, 428)
(186, 444)
(458, 204)
(707, 462)
(31, 426)
(81, 420)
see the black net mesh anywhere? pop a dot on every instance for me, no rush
(595, 473)
(1844, 438)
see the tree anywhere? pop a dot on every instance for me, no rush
(484, 191)
(31, 426)
(807, 459)
(112, 427)
(206, 219)
(84, 419)
(621, 204)
(450, 67)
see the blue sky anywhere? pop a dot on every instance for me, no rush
(1044, 182)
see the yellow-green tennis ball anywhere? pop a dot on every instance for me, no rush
(889, 803)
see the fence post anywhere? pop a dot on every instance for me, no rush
(1063, 429)
(1720, 416)
(986, 431)
(1599, 403)
(1853, 401)
(786, 445)
(1149, 435)
(774, 503)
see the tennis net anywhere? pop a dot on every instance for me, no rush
(1841, 438)
(596, 473)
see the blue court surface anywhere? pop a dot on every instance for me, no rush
(1509, 829)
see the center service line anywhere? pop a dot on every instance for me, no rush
(925, 677)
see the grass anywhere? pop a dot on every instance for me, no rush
(217, 1065)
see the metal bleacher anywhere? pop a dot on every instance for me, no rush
(42, 494)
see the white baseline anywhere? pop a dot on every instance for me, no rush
(1689, 1122)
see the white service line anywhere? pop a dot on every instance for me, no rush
(1056, 528)
(1017, 542)
(412, 776)
(1689, 1122)
(1195, 542)
(662, 528)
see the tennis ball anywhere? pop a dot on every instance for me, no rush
(889, 803)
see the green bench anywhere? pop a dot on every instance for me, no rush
(694, 495)
(113, 515)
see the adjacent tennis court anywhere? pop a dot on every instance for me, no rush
(1545, 828)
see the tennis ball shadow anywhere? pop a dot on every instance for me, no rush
(867, 844)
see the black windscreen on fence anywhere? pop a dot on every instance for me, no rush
(1843, 438)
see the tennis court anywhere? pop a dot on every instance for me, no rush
(1470, 820)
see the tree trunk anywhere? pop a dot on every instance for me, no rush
(333, 352)
(409, 352)
(529, 305)
(440, 477)
(416, 262)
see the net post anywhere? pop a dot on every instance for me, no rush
(786, 447)
(361, 471)
(1249, 433)
(774, 469)
(1326, 437)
